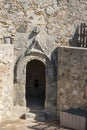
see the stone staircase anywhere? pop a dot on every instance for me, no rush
(38, 115)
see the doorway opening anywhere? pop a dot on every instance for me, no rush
(35, 85)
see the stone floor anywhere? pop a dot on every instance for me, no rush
(31, 125)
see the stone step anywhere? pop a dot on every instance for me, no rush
(40, 116)
(35, 111)
(30, 115)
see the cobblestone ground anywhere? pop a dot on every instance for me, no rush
(31, 125)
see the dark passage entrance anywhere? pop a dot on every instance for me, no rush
(35, 84)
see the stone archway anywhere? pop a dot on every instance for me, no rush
(20, 77)
(20, 81)
(35, 85)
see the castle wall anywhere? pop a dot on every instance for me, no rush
(51, 23)
(57, 20)
(6, 82)
(72, 78)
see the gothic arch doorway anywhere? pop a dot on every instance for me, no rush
(35, 84)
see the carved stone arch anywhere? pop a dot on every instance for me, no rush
(21, 77)
(23, 60)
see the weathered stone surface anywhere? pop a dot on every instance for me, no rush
(6, 82)
(71, 90)
(58, 21)
(49, 10)
(55, 18)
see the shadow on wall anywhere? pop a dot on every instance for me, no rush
(35, 32)
(80, 37)
(54, 59)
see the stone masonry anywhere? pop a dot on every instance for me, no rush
(72, 78)
(6, 82)
(35, 29)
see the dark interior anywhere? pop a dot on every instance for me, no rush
(35, 84)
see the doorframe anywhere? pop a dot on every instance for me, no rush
(44, 76)
(21, 77)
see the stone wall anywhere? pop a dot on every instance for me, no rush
(50, 23)
(6, 82)
(72, 78)
(56, 19)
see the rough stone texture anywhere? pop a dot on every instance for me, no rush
(72, 78)
(20, 81)
(36, 28)
(57, 20)
(6, 82)
(31, 125)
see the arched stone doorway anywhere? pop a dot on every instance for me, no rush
(20, 81)
(35, 84)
